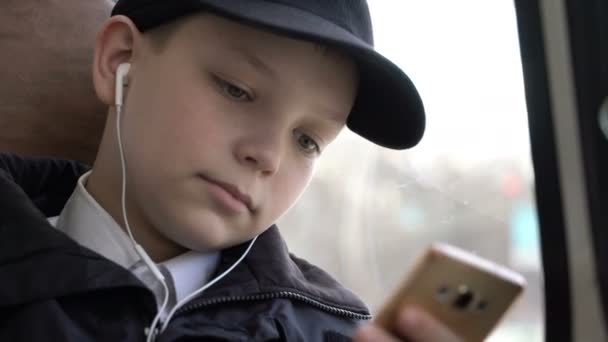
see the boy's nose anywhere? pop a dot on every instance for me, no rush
(262, 155)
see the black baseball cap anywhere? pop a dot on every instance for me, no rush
(388, 109)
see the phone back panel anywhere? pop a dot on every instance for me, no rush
(467, 293)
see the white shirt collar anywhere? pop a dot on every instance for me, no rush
(85, 221)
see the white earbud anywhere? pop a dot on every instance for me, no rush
(121, 75)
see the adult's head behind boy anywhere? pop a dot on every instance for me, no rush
(224, 122)
(47, 102)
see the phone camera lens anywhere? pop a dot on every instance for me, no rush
(464, 298)
(442, 294)
(482, 305)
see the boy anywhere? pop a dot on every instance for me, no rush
(218, 110)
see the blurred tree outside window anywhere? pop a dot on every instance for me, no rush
(369, 212)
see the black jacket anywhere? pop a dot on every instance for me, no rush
(53, 289)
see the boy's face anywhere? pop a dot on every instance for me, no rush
(222, 128)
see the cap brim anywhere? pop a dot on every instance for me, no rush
(388, 110)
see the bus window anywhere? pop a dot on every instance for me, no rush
(370, 211)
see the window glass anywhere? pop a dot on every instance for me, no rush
(369, 212)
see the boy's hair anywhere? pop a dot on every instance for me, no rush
(388, 109)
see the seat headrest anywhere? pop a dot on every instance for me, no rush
(47, 102)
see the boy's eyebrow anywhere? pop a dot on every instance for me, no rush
(335, 118)
(256, 62)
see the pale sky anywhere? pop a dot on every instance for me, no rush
(464, 58)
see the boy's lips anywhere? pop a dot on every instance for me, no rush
(232, 190)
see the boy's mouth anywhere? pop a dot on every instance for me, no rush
(232, 190)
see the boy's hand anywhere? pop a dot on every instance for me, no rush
(412, 325)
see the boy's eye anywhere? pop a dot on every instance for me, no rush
(307, 144)
(233, 91)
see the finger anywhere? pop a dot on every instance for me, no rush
(371, 333)
(418, 326)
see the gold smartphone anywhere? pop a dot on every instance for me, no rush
(467, 293)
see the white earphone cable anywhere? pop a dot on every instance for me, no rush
(209, 284)
(138, 249)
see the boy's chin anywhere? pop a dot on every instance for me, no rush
(208, 232)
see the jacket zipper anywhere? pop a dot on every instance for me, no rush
(275, 295)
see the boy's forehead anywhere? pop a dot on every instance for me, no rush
(206, 27)
(262, 49)
(220, 42)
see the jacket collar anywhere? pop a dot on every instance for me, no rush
(33, 252)
(270, 268)
(41, 261)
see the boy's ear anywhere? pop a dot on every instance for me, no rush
(115, 44)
